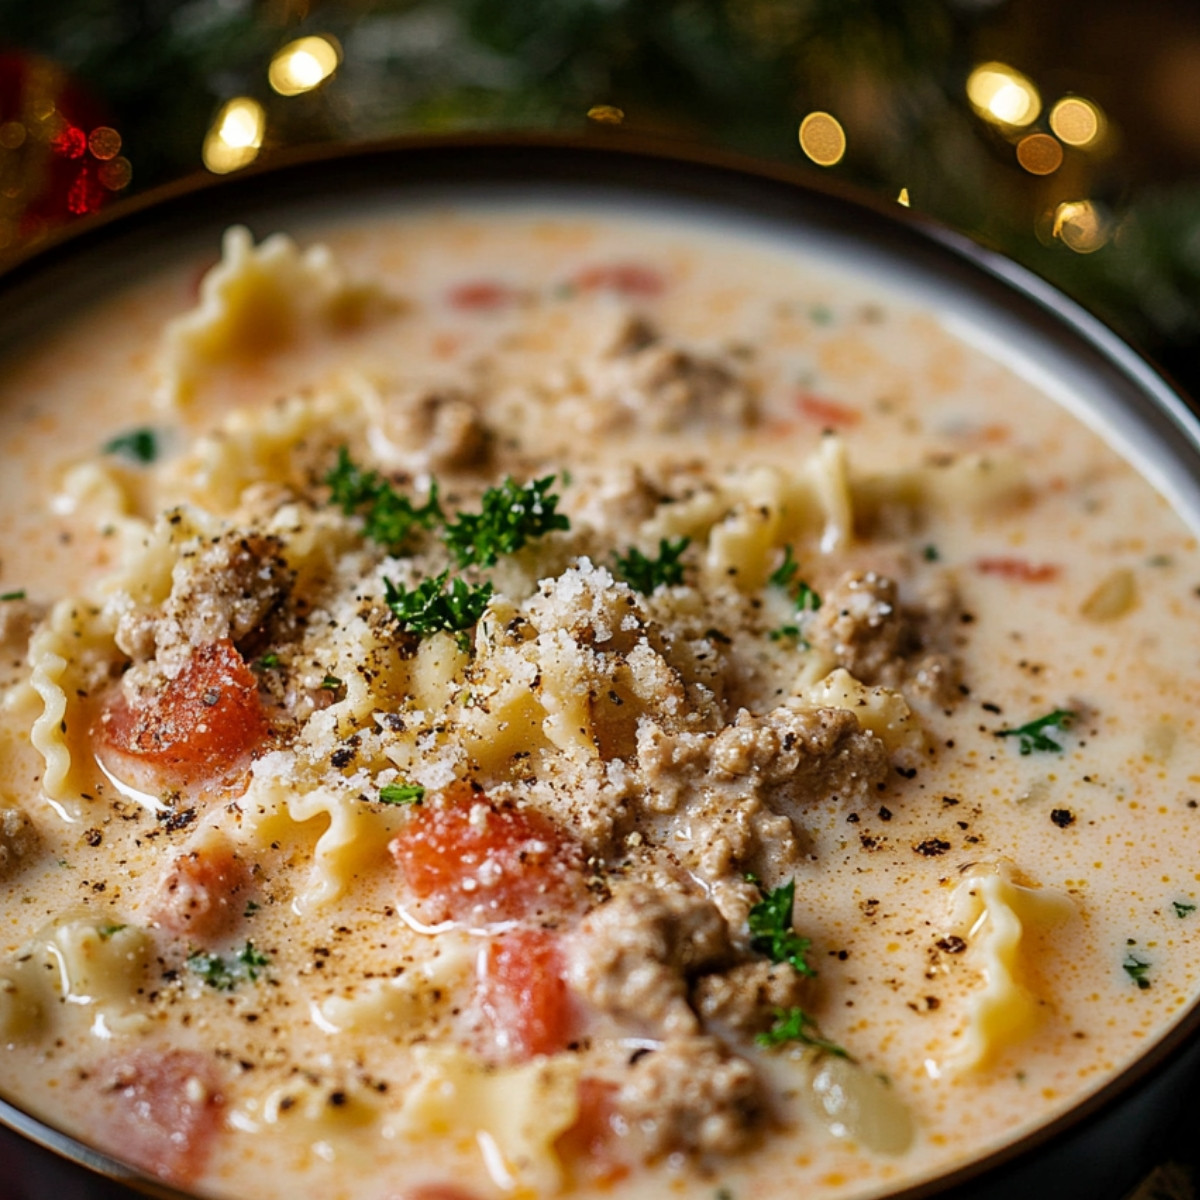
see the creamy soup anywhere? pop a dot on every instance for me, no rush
(514, 703)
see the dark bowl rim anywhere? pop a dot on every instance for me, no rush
(545, 152)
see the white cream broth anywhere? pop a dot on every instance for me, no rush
(994, 934)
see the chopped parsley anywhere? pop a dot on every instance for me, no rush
(225, 974)
(252, 906)
(1135, 966)
(106, 931)
(331, 683)
(388, 517)
(401, 793)
(1033, 735)
(1182, 908)
(783, 574)
(807, 601)
(266, 662)
(18, 595)
(510, 516)
(772, 933)
(795, 1025)
(787, 631)
(432, 607)
(138, 445)
(930, 553)
(644, 574)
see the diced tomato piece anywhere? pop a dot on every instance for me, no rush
(200, 893)
(591, 1147)
(629, 279)
(198, 727)
(522, 991)
(827, 412)
(464, 858)
(161, 1112)
(1018, 569)
(481, 296)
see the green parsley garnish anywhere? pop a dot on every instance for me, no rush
(106, 931)
(807, 600)
(266, 662)
(1033, 736)
(401, 793)
(330, 683)
(251, 960)
(1182, 908)
(795, 1025)
(1136, 967)
(140, 445)
(388, 517)
(225, 974)
(644, 574)
(511, 515)
(19, 595)
(213, 969)
(771, 931)
(783, 574)
(252, 906)
(930, 553)
(431, 607)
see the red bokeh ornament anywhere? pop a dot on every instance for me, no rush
(58, 152)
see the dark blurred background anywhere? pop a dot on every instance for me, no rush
(1064, 132)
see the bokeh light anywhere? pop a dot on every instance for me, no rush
(1039, 154)
(236, 136)
(605, 114)
(1081, 226)
(1077, 121)
(1002, 95)
(903, 197)
(823, 139)
(303, 65)
(104, 142)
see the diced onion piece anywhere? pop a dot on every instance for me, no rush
(1115, 595)
(851, 1102)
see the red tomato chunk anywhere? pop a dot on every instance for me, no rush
(482, 296)
(162, 1111)
(464, 858)
(1017, 569)
(828, 412)
(523, 994)
(592, 1146)
(197, 726)
(627, 279)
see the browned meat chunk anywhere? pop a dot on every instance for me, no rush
(224, 589)
(17, 838)
(437, 430)
(644, 379)
(860, 623)
(635, 954)
(692, 1095)
(882, 643)
(744, 999)
(203, 891)
(743, 788)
